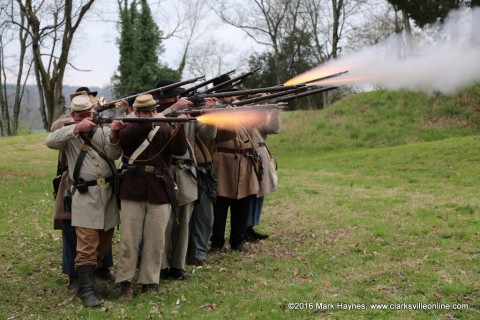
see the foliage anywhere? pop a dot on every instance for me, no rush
(140, 44)
(295, 57)
(429, 11)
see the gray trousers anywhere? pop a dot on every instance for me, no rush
(176, 238)
(147, 222)
(201, 225)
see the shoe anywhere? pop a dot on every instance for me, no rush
(73, 283)
(164, 274)
(215, 249)
(195, 262)
(239, 248)
(126, 291)
(256, 235)
(151, 287)
(179, 274)
(249, 237)
(105, 274)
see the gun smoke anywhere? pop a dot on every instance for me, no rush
(446, 62)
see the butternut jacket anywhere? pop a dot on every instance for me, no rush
(233, 168)
(97, 208)
(271, 126)
(142, 184)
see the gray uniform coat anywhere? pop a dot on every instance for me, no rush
(97, 208)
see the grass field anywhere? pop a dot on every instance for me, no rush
(378, 213)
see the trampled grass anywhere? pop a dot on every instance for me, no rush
(352, 225)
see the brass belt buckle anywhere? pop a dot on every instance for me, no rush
(100, 181)
(149, 169)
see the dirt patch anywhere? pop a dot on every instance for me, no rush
(446, 121)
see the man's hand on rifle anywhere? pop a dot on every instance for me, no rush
(182, 103)
(210, 103)
(114, 128)
(86, 125)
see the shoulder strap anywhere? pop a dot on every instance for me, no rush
(82, 155)
(144, 145)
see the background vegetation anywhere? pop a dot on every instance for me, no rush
(378, 202)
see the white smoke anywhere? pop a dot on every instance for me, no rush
(448, 62)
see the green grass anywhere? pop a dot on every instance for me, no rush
(359, 218)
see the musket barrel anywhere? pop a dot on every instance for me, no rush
(304, 94)
(204, 83)
(103, 120)
(226, 109)
(269, 97)
(240, 77)
(111, 104)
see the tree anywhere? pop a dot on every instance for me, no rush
(8, 29)
(51, 26)
(140, 45)
(425, 12)
(267, 22)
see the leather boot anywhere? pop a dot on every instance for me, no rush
(73, 283)
(126, 291)
(86, 288)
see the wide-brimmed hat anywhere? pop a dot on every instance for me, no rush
(130, 100)
(167, 93)
(93, 93)
(225, 88)
(80, 103)
(144, 102)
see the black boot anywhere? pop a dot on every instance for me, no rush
(86, 288)
(105, 274)
(73, 283)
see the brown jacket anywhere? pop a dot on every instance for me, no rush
(142, 185)
(234, 169)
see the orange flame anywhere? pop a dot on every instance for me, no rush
(312, 75)
(340, 81)
(234, 119)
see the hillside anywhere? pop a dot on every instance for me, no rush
(378, 203)
(380, 118)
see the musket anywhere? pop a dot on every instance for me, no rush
(304, 94)
(227, 109)
(240, 78)
(111, 104)
(262, 90)
(103, 120)
(268, 97)
(204, 83)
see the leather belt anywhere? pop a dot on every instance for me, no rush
(182, 161)
(234, 151)
(98, 182)
(205, 164)
(147, 168)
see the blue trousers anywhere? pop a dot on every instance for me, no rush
(255, 212)
(201, 224)
(69, 241)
